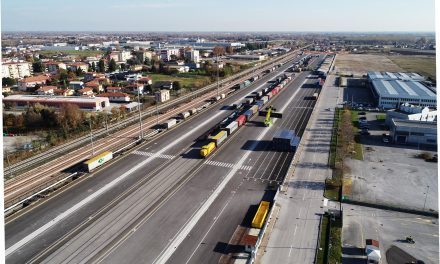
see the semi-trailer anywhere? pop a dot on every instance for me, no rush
(184, 115)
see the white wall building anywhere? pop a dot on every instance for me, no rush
(193, 55)
(16, 69)
(166, 54)
(162, 96)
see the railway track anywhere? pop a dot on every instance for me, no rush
(38, 178)
(41, 158)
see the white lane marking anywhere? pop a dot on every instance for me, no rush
(194, 219)
(99, 192)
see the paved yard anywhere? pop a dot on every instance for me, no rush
(390, 229)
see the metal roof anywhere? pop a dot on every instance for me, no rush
(402, 89)
(373, 75)
(415, 124)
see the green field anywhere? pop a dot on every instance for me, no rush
(79, 53)
(424, 65)
(188, 81)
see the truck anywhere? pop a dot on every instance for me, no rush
(193, 111)
(169, 123)
(207, 149)
(372, 251)
(315, 96)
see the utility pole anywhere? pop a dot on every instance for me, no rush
(141, 132)
(91, 137)
(9, 165)
(426, 196)
(218, 65)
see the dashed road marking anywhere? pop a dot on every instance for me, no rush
(226, 165)
(150, 154)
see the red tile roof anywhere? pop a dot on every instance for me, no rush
(47, 88)
(113, 95)
(38, 78)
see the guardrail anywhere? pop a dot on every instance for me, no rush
(40, 158)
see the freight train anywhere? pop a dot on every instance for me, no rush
(244, 111)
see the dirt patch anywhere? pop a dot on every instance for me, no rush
(359, 64)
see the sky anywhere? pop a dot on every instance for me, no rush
(219, 15)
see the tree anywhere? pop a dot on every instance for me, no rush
(93, 66)
(123, 66)
(147, 61)
(176, 86)
(112, 65)
(69, 117)
(38, 66)
(79, 71)
(218, 51)
(173, 57)
(101, 66)
(7, 81)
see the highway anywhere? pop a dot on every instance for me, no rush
(138, 209)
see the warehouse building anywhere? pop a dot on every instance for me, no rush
(84, 103)
(408, 76)
(413, 132)
(411, 112)
(390, 93)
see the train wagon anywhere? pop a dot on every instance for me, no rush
(315, 96)
(98, 160)
(260, 216)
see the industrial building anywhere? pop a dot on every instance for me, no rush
(390, 93)
(413, 132)
(84, 103)
(408, 76)
(411, 112)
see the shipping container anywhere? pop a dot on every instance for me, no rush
(219, 138)
(241, 120)
(98, 160)
(259, 103)
(193, 111)
(260, 216)
(169, 123)
(249, 101)
(265, 99)
(223, 96)
(184, 115)
(248, 114)
(282, 140)
(254, 109)
(231, 127)
(315, 96)
(207, 149)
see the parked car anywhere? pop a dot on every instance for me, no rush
(361, 113)
(364, 132)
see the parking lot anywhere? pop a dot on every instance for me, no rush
(390, 229)
(390, 174)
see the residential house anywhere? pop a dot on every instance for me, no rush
(88, 76)
(134, 88)
(112, 89)
(145, 80)
(64, 92)
(76, 85)
(55, 66)
(46, 90)
(166, 54)
(27, 84)
(95, 85)
(164, 85)
(116, 97)
(143, 54)
(78, 65)
(6, 89)
(162, 96)
(85, 92)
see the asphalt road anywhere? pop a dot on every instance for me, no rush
(166, 164)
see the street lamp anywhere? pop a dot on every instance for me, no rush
(426, 196)
(218, 65)
(91, 136)
(141, 132)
